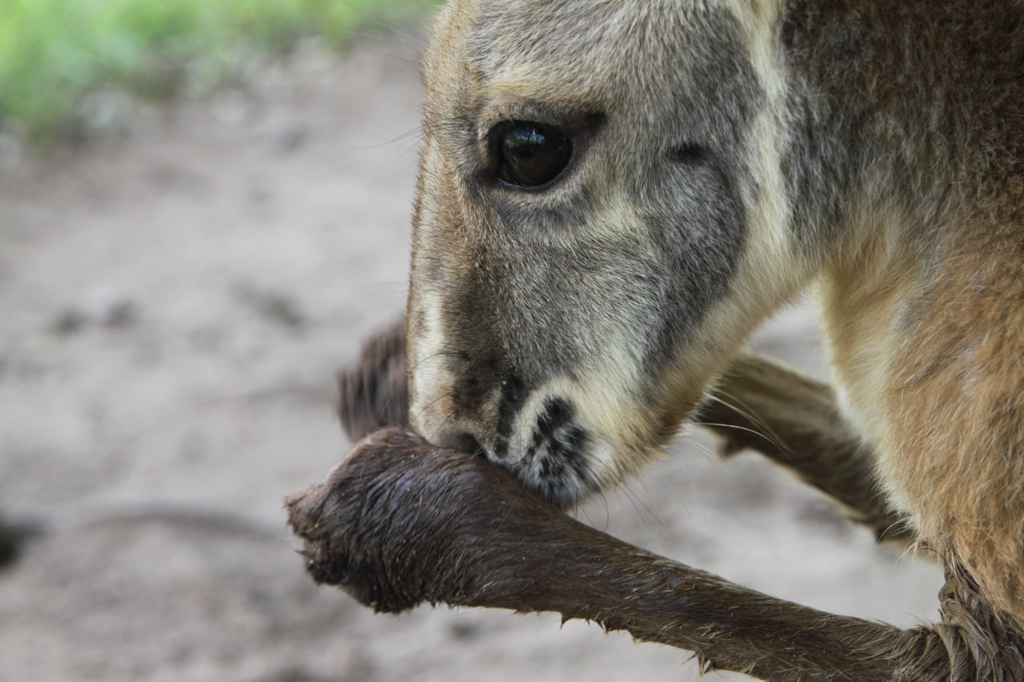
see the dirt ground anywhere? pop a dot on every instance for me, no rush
(174, 300)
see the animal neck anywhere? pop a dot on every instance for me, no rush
(908, 180)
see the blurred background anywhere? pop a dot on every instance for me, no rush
(204, 206)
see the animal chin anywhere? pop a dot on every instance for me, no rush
(558, 485)
(555, 464)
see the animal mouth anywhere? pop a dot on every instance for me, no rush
(555, 463)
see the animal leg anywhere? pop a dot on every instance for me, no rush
(794, 420)
(372, 391)
(403, 522)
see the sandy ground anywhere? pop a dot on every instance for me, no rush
(173, 305)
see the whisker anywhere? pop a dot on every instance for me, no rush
(398, 138)
(409, 148)
(741, 408)
(383, 39)
(745, 410)
(396, 28)
(434, 355)
(441, 425)
(427, 406)
(703, 448)
(740, 428)
(639, 506)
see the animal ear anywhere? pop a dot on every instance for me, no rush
(373, 391)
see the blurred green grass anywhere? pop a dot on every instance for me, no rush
(52, 52)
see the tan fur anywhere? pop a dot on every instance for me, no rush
(953, 438)
(924, 310)
(878, 157)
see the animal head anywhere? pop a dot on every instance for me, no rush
(601, 222)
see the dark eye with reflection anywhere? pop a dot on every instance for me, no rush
(531, 154)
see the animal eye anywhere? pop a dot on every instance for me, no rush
(532, 154)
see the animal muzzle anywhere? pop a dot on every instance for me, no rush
(545, 447)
